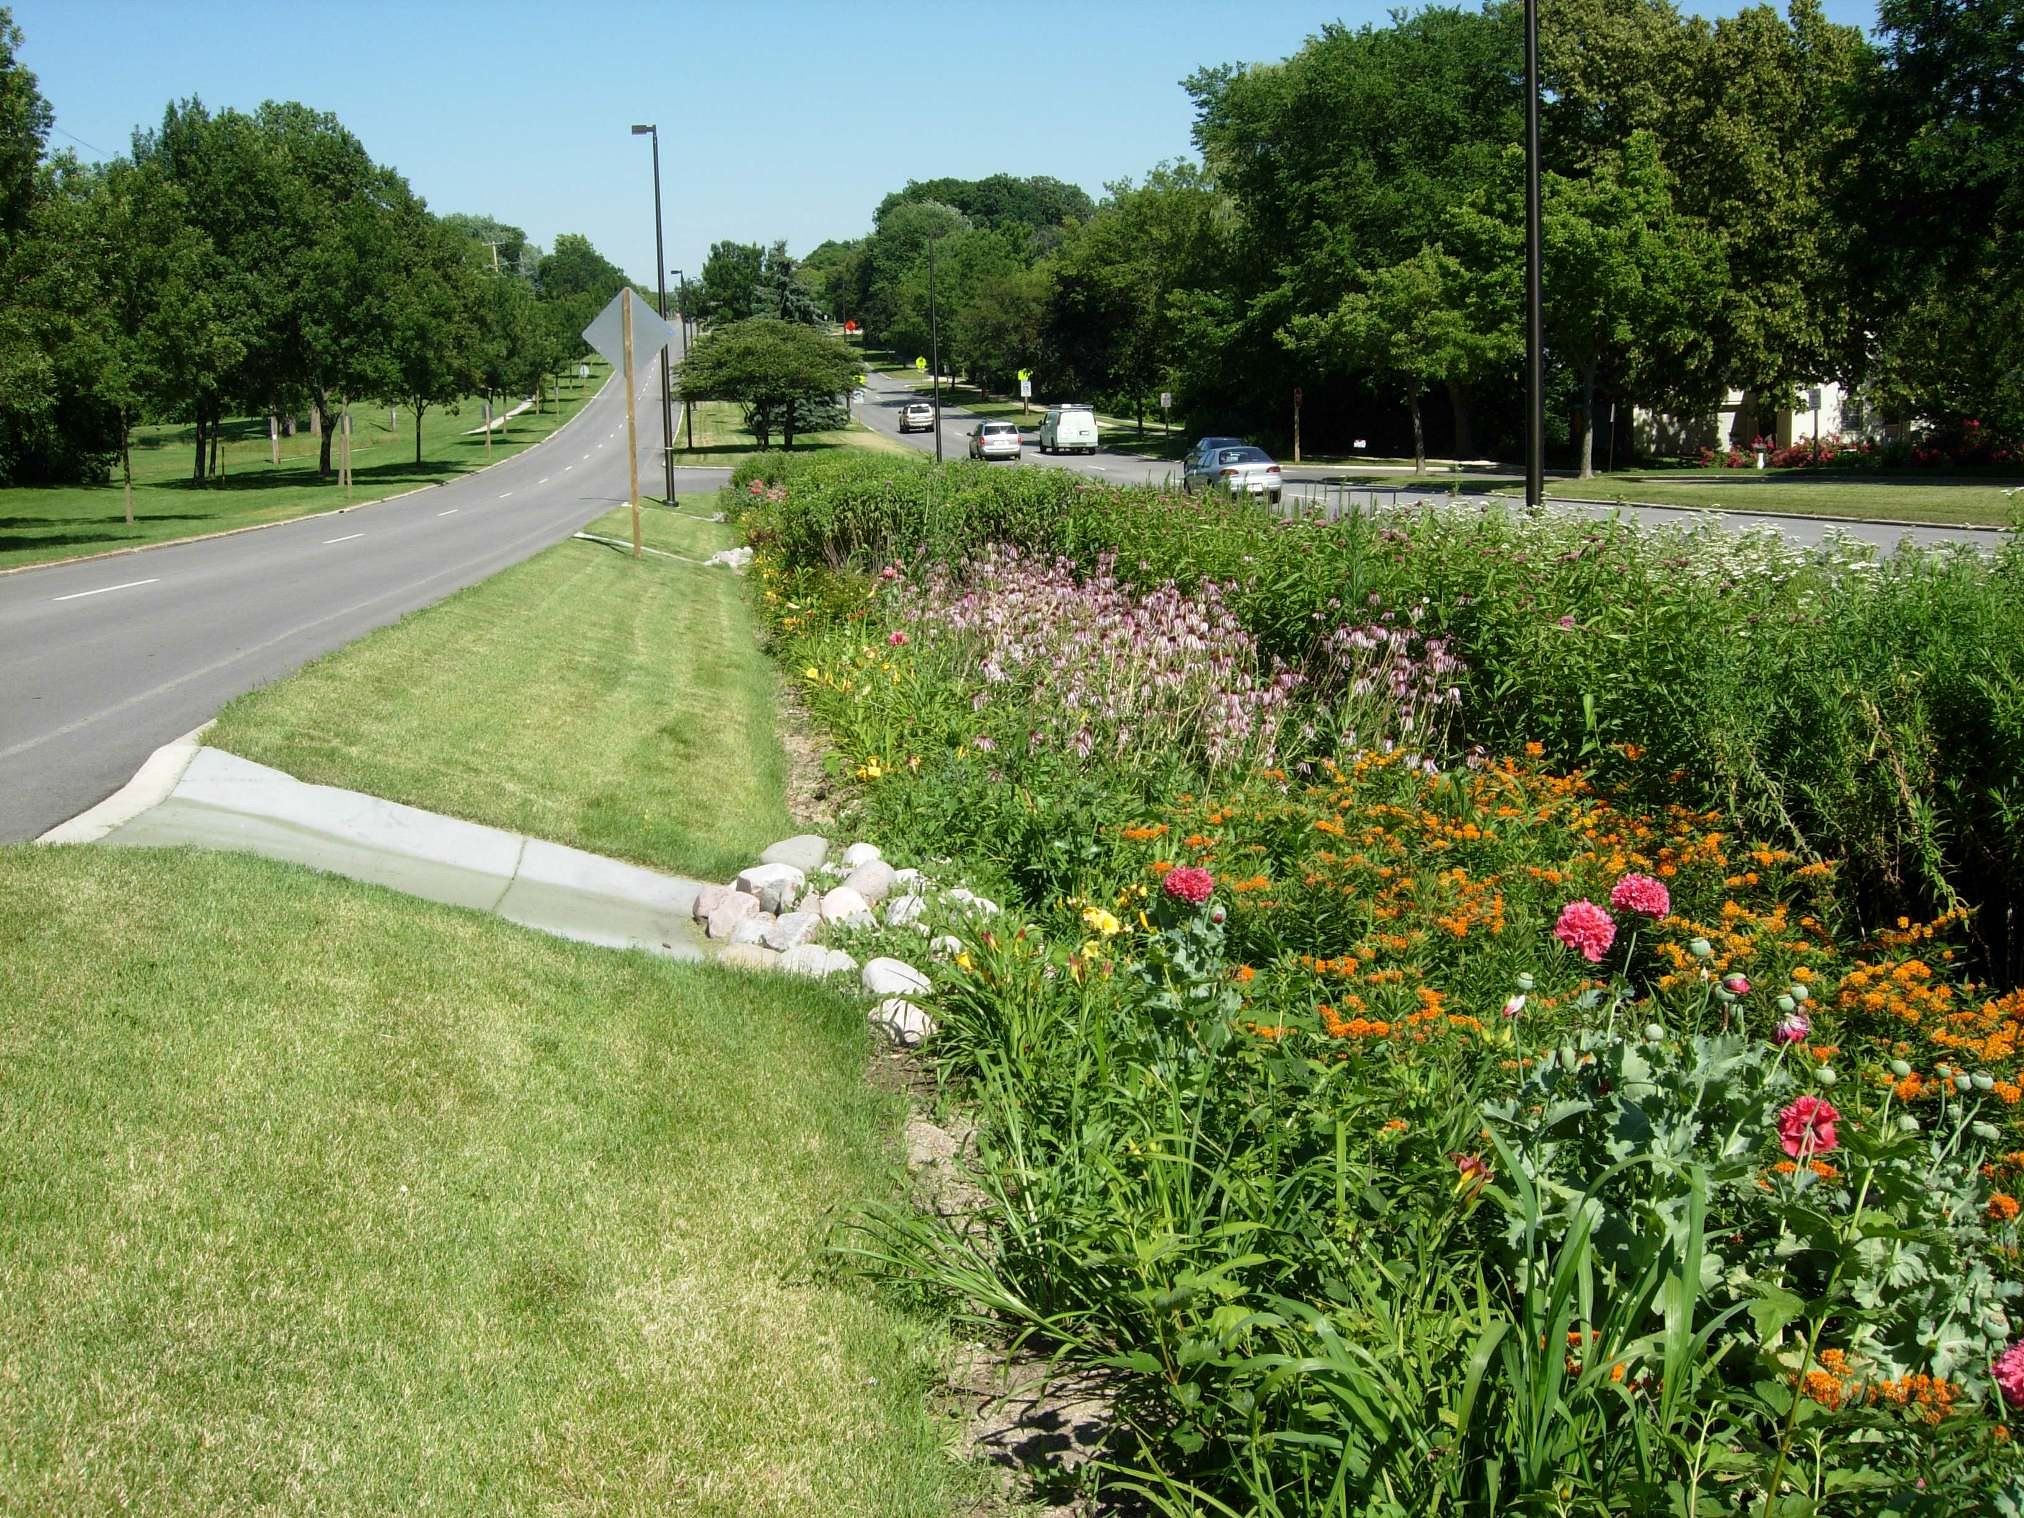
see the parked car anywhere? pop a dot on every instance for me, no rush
(995, 440)
(917, 416)
(1242, 470)
(1068, 428)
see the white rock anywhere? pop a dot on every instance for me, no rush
(805, 851)
(873, 881)
(731, 558)
(893, 977)
(861, 853)
(753, 929)
(792, 929)
(908, 879)
(902, 910)
(847, 907)
(773, 884)
(733, 909)
(811, 901)
(749, 956)
(961, 894)
(906, 1023)
(813, 960)
(983, 906)
(948, 946)
(708, 900)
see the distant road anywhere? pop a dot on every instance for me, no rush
(103, 661)
(885, 396)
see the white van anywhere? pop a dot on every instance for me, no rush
(1068, 428)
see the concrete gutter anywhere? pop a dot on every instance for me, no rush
(189, 795)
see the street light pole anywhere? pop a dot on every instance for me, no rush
(1535, 324)
(935, 352)
(661, 278)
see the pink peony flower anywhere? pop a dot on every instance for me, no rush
(1808, 1126)
(1587, 929)
(1189, 884)
(897, 638)
(2009, 1373)
(1791, 1029)
(1641, 894)
(1737, 984)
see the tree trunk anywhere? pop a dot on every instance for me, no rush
(217, 427)
(197, 468)
(1465, 423)
(1419, 430)
(418, 409)
(323, 443)
(126, 461)
(787, 427)
(1588, 422)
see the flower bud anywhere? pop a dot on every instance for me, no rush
(1983, 1081)
(1825, 1075)
(1654, 1033)
(1787, 1004)
(1988, 1133)
(1524, 981)
(1799, 991)
(1900, 1069)
(1218, 916)
(1568, 1058)
(1700, 948)
(1906, 1123)
(1514, 1005)
(1736, 983)
(1962, 1083)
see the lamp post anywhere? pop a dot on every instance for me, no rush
(682, 326)
(1535, 325)
(661, 278)
(935, 352)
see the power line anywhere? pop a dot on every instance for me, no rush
(80, 141)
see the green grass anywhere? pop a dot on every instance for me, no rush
(320, 1199)
(619, 705)
(1896, 498)
(721, 437)
(40, 523)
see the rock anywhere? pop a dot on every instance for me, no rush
(732, 909)
(860, 853)
(906, 1023)
(893, 977)
(872, 881)
(847, 907)
(948, 946)
(805, 852)
(708, 900)
(774, 884)
(813, 960)
(749, 956)
(811, 901)
(902, 910)
(731, 558)
(753, 929)
(907, 880)
(792, 929)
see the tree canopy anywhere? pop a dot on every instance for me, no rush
(776, 370)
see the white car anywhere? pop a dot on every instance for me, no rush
(995, 440)
(917, 416)
(1068, 428)
(1242, 470)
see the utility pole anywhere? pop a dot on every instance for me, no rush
(935, 352)
(632, 442)
(682, 326)
(1535, 323)
(495, 256)
(667, 358)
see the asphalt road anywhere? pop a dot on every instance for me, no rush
(103, 661)
(1316, 486)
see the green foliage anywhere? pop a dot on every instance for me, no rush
(728, 288)
(777, 370)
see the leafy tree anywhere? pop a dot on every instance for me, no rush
(577, 282)
(776, 370)
(25, 119)
(1001, 202)
(729, 288)
(781, 292)
(430, 350)
(898, 242)
(494, 238)
(997, 328)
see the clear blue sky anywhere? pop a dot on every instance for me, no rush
(779, 118)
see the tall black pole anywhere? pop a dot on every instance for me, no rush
(935, 352)
(1535, 322)
(661, 281)
(682, 326)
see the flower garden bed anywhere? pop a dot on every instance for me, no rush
(1446, 1048)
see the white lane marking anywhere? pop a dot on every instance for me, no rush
(504, 493)
(567, 467)
(451, 512)
(78, 595)
(543, 480)
(586, 456)
(345, 539)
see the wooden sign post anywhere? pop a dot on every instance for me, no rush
(632, 442)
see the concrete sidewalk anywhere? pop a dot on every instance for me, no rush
(191, 795)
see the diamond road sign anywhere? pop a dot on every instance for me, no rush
(607, 333)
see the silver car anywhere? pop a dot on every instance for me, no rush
(1242, 470)
(995, 440)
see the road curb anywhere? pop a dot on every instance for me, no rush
(151, 785)
(307, 516)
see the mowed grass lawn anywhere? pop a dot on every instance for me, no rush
(721, 436)
(40, 523)
(619, 705)
(318, 1199)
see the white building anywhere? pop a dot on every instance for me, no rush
(1825, 410)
